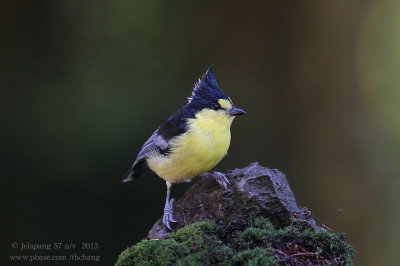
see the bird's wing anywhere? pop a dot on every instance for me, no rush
(158, 143)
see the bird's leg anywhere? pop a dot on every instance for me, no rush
(219, 177)
(168, 209)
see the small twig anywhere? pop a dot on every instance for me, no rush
(305, 254)
(286, 256)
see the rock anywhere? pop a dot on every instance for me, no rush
(254, 191)
(256, 221)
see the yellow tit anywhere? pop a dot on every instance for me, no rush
(191, 141)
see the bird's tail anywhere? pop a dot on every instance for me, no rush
(129, 176)
(133, 172)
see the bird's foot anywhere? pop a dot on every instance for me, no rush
(168, 210)
(219, 177)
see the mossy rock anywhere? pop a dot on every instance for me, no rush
(205, 243)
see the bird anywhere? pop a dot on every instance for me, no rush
(190, 142)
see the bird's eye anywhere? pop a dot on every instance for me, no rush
(216, 106)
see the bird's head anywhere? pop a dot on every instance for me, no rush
(207, 96)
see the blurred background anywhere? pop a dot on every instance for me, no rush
(84, 84)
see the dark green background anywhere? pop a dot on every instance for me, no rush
(84, 83)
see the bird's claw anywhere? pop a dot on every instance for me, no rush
(219, 177)
(167, 217)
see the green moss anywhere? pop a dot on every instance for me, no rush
(251, 237)
(153, 252)
(326, 243)
(262, 223)
(255, 256)
(126, 257)
(196, 235)
(205, 243)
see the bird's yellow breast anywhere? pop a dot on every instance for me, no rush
(196, 151)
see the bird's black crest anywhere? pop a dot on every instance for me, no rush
(206, 91)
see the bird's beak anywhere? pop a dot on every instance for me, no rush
(236, 111)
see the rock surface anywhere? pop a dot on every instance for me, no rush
(253, 191)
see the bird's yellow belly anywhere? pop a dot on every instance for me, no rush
(193, 153)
